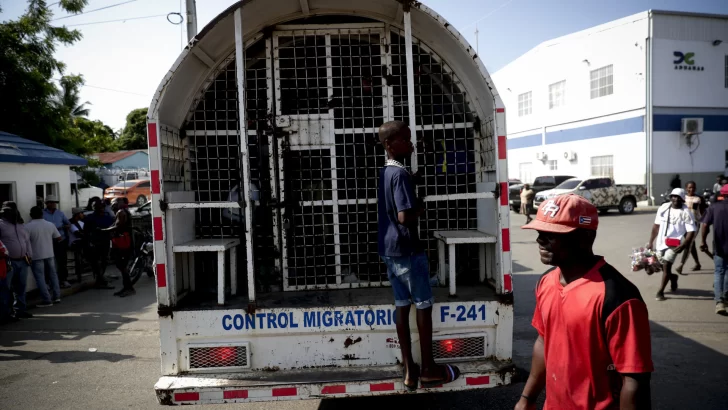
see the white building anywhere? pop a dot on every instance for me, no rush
(30, 170)
(611, 100)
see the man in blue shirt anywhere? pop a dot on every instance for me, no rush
(52, 214)
(717, 216)
(99, 242)
(403, 253)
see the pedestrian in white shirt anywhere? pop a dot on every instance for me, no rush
(42, 235)
(673, 231)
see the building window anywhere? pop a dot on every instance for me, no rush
(44, 189)
(602, 166)
(7, 191)
(524, 104)
(524, 172)
(557, 94)
(602, 82)
(552, 165)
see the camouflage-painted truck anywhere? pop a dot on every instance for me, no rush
(601, 191)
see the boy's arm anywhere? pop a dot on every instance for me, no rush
(408, 207)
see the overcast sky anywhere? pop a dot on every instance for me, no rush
(123, 62)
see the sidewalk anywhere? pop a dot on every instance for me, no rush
(87, 281)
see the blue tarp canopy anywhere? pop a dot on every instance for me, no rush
(20, 150)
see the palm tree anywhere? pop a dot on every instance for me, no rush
(68, 97)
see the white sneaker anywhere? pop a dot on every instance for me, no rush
(44, 304)
(719, 308)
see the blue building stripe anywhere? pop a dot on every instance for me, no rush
(523, 142)
(606, 129)
(673, 122)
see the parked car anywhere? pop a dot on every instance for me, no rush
(600, 191)
(541, 183)
(137, 191)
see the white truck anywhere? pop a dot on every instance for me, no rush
(280, 294)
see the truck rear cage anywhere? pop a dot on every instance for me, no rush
(314, 100)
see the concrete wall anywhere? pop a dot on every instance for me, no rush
(620, 43)
(25, 176)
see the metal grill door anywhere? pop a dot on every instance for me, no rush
(327, 102)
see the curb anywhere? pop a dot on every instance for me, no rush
(32, 298)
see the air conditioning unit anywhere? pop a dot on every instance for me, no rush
(691, 126)
(541, 156)
(570, 155)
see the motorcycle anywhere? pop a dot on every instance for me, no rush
(665, 196)
(143, 259)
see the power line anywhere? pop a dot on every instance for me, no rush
(91, 11)
(117, 20)
(488, 15)
(117, 91)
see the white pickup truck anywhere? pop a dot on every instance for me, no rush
(601, 191)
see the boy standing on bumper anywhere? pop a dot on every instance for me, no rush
(407, 266)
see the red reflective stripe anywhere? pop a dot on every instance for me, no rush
(381, 387)
(285, 391)
(477, 381)
(506, 238)
(501, 147)
(155, 181)
(152, 134)
(157, 226)
(186, 396)
(508, 282)
(500, 110)
(161, 275)
(333, 389)
(235, 394)
(504, 193)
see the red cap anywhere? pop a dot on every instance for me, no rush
(724, 189)
(564, 214)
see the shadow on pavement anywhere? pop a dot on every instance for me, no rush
(48, 328)
(69, 356)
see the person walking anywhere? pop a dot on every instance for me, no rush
(20, 253)
(593, 327)
(717, 216)
(717, 185)
(60, 248)
(121, 244)
(696, 208)
(6, 295)
(98, 242)
(527, 196)
(676, 182)
(43, 234)
(673, 230)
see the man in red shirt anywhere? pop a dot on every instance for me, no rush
(593, 350)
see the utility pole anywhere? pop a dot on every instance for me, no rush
(477, 39)
(191, 19)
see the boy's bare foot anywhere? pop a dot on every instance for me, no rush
(438, 375)
(410, 376)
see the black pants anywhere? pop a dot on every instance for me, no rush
(121, 258)
(60, 251)
(98, 258)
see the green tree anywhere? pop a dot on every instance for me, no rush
(27, 66)
(68, 97)
(134, 134)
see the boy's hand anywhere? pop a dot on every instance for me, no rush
(523, 404)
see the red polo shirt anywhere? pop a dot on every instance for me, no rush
(593, 329)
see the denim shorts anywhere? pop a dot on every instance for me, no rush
(410, 279)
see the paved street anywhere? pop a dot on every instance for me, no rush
(46, 362)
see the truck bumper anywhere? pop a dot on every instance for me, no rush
(318, 383)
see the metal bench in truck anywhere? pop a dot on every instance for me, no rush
(264, 168)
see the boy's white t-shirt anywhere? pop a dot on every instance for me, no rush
(680, 223)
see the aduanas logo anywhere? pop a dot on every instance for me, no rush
(685, 61)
